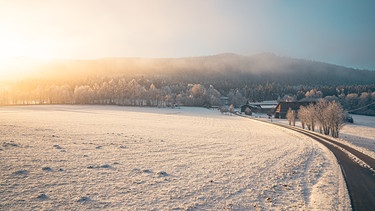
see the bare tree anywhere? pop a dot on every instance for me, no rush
(302, 116)
(336, 117)
(311, 116)
(307, 117)
(321, 116)
(291, 116)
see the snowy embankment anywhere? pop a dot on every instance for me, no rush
(106, 157)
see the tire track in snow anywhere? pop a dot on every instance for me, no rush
(306, 167)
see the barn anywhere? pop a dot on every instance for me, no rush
(283, 107)
(266, 107)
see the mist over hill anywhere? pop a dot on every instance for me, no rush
(192, 81)
(231, 67)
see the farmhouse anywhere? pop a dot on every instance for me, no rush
(260, 107)
(283, 107)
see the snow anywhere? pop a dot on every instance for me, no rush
(110, 157)
(361, 133)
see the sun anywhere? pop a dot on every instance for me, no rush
(18, 55)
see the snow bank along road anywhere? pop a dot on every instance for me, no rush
(358, 169)
(109, 157)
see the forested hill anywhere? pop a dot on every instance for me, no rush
(194, 81)
(229, 67)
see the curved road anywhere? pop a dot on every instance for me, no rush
(359, 180)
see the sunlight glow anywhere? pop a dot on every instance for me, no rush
(16, 54)
(15, 47)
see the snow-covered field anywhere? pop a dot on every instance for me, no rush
(361, 133)
(108, 157)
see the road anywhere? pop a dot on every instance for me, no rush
(360, 180)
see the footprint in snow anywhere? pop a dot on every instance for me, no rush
(147, 171)
(20, 172)
(105, 166)
(57, 146)
(84, 199)
(42, 196)
(46, 168)
(10, 144)
(162, 174)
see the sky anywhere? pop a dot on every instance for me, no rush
(340, 32)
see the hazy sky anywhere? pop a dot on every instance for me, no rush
(335, 31)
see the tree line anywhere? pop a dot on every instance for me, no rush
(110, 91)
(164, 91)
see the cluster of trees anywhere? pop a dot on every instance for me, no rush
(329, 117)
(363, 103)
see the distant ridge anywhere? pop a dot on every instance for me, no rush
(227, 66)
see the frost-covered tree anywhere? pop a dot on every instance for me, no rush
(83, 94)
(307, 116)
(312, 117)
(213, 96)
(314, 93)
(236, 98)
(291, 116)
(321, 116)
(351, 100)
(364, 99)
(167, 96)
(121, 91)
(153, 95)
(136, 92)
(198, 95)
(198, 90)
(302, 116)
(104, 93)
(335, 115)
